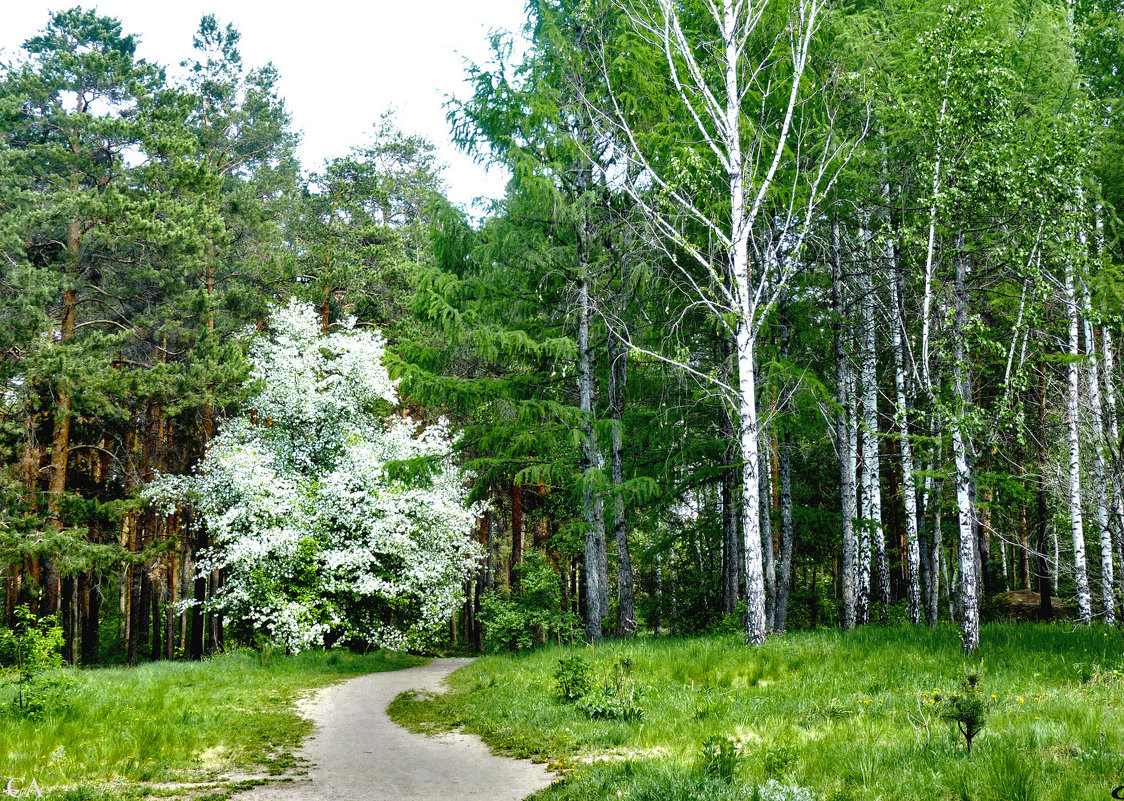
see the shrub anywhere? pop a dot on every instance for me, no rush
(530, 613)
(572, 679)
(966, 708)
(29, 649)
(617, 698)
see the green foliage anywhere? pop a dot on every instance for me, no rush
(966, 708)
(614, 698)
(29, 650)
(573, 679)
(528, 614)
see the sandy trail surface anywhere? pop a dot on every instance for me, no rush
(359, 754)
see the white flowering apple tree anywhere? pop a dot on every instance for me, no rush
(330, 515)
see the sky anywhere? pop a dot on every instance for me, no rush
(341, 63)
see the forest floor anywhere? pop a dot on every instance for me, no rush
(811, 715)
(191, 730)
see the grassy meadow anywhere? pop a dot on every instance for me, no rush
(815, 715)
(169, 728)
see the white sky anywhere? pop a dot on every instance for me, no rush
(341, 63)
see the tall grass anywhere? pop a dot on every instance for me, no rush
(849, 716)
(170, 721)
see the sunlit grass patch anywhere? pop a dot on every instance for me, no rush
(841, 716)
(171, 722)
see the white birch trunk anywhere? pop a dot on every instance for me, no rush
(1073, 400)
(1114, 438)
(872, 468)
(909, 480)
(961, 449)
(862, 534)
(747, 414)
(1101, 489)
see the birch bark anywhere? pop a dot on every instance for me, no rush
(961, 447)
(1101, 489)
(1073, 401)
(909, 480)
(1114, 439)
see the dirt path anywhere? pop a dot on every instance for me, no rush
(359, 754)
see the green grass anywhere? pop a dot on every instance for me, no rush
(120, 733)
(824, 710)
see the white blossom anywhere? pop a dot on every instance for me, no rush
(314, 533)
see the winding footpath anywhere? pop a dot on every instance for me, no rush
(359, 754)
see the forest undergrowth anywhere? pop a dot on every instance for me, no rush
(167, 729)
(869, 714)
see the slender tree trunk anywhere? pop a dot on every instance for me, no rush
(872, 472)
(66, 615)
(1073, 400)
(91, 619)
(1114, 439)
(173, 587)
(862, 535)
(909, 481)
(618, 380)
(156, 642)
(592, 504)
(1101, 490)
(60, 435)
(981, 500)
(784, 579)
(731, 552)
(1042, 532)
(767, 554)
(516, 534)
(962, 447)
(135, 598)
(936, 548)
(842, 434)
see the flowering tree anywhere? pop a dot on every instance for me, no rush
(327, 513)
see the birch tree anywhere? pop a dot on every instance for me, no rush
(738, 74)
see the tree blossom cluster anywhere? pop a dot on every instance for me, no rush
(330, 515)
